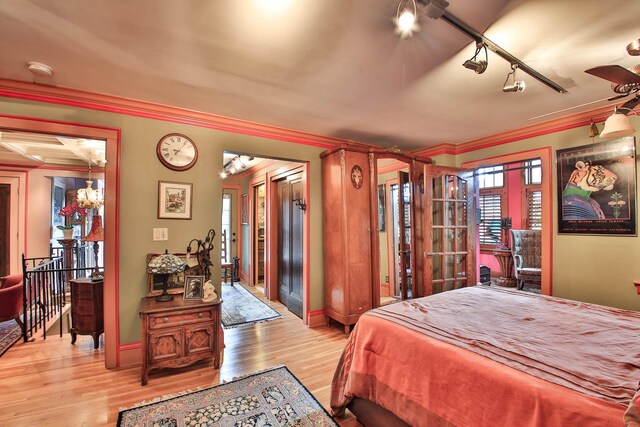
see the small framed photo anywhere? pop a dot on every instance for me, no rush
(174, 200)
(193, 287)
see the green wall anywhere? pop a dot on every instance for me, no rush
(598, 269)
(140, 172)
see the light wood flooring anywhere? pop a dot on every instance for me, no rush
(51, 382)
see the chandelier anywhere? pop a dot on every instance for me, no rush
(89, 198)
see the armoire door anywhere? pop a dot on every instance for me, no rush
(290, 250)
(450, 252)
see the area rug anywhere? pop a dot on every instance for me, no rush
(9, 334)
(270, 398)
(239, 307)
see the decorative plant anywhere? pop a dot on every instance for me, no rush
(616, 204)
(69, 211)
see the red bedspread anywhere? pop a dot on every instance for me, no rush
(492, 357)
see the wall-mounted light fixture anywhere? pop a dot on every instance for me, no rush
(618, 123)
(300, 203)
(479, 66)
(510, 84)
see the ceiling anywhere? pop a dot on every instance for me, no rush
(34, 149)
(328, 67)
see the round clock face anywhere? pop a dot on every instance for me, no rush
(177, 151)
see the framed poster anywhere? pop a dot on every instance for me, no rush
(597, 188)
(174, 200)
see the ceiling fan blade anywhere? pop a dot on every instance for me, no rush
(615, 74)
(614, 98)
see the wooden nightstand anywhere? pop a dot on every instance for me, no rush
(178, 333)
(87, 314)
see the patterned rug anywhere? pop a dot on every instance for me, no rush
(239, 307)
(9, 334)
(270, 398)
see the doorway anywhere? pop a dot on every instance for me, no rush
(394, 231)
(259, 197)
(290, 241)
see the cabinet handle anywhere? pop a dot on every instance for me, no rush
(166, 319)
(200, 315)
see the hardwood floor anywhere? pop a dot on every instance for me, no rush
(51, 382)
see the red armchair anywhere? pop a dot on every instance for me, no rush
(11, 298)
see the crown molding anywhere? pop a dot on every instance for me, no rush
(119, 105)
(563, 123)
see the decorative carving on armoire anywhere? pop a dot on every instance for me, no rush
(395, 150)
(356, 176)
(421, 183)
(342, 161)
(372, 160)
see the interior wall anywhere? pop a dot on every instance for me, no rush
(140, 172)
(592, 268)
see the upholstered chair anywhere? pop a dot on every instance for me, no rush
(11, 298)
(527, 256)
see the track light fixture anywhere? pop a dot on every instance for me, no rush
(406, 18)
(236, 164)
(478, 66)
(510, 84)
(436, 9)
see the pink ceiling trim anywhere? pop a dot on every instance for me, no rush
(119, 105)
(552, 126)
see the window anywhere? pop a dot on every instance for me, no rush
(490, 214)
(491, 177)
(534, 209)
(533, 172)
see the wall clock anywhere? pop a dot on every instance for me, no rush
(177, 151)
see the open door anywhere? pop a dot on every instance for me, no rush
(450, 253)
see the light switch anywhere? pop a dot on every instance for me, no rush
(160, 234)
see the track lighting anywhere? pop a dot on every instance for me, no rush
(478, 66)
(236, 164)
(510, 84)
(406, 18)
(437, 9)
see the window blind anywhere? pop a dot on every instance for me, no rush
(490, 214)
(534, 209)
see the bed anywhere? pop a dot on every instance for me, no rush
(483, 356)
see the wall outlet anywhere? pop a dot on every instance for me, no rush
(160, 234)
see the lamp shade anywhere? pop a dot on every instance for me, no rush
(166, 264)
(97, 232)
(617, 125)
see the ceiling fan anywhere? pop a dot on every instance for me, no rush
(623, 81)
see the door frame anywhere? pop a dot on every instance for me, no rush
(545, 156)
(112, 136)
(271, 234)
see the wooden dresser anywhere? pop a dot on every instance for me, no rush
(87, 315)
(178, 333)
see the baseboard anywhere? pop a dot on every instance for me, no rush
(130, 354)
(316, 318)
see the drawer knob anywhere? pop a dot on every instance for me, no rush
(166, 319)
(200, 315)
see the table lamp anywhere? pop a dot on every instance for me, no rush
(165, 265)
(95, 235)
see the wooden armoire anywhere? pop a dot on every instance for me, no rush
(434, 228)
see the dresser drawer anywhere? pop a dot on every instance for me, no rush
(179, 318)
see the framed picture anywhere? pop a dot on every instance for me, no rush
(245, 209)
(176, 281)
(381, 206)
(174, 200)
(597, 188)
(193, 287)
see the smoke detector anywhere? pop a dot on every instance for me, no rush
(39, 69)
